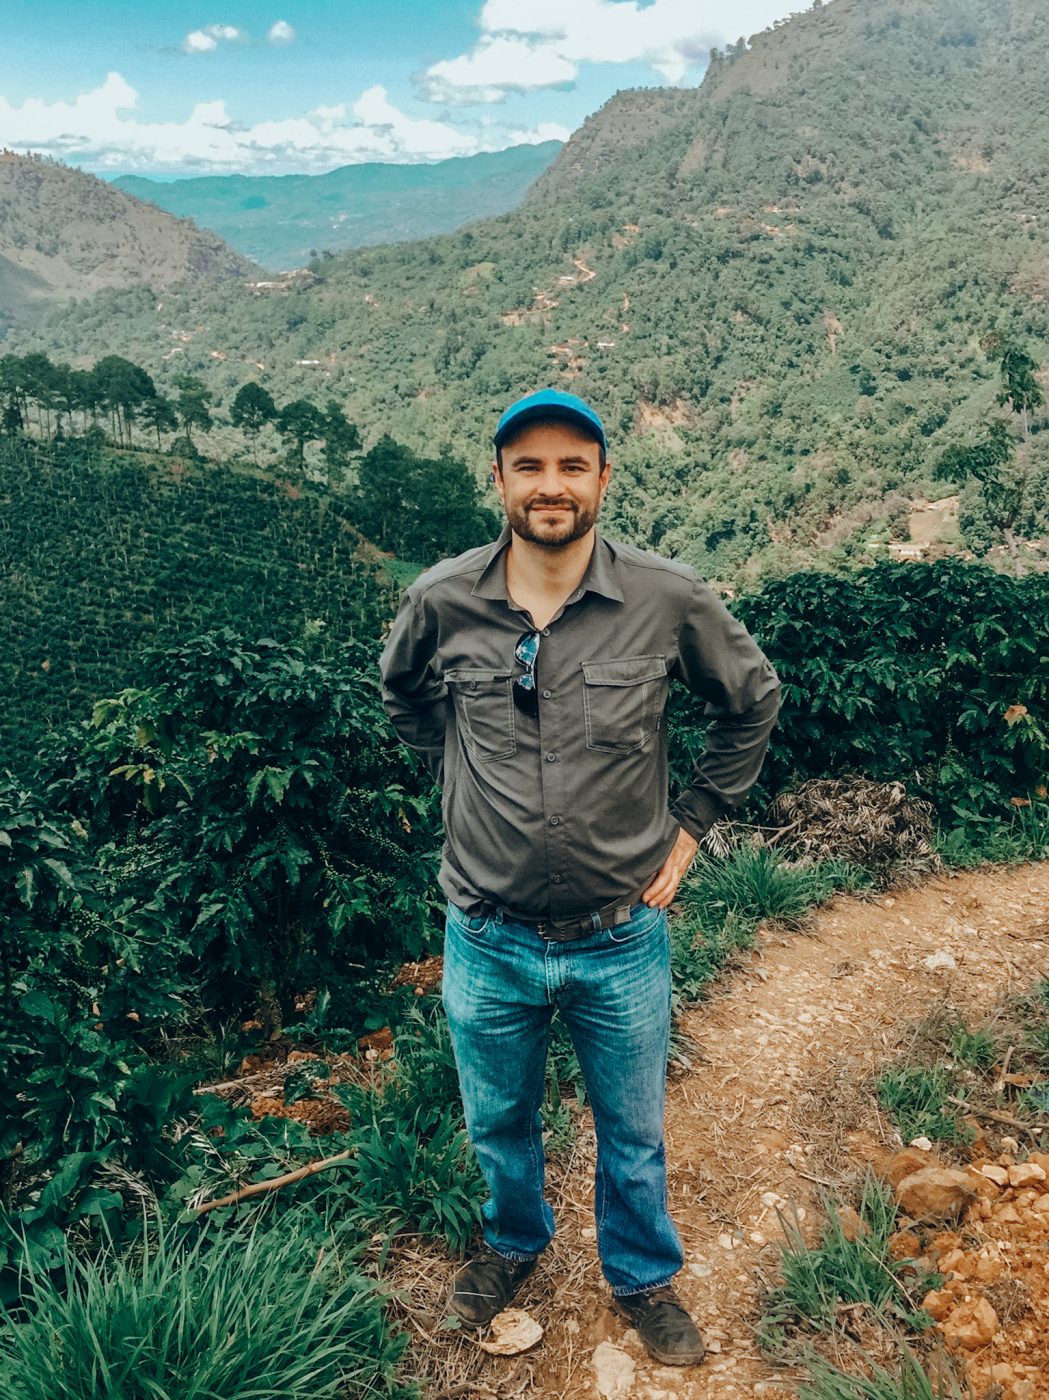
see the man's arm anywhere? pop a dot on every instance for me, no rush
(413, 694)
(719, 660)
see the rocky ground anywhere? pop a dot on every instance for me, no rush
(776, 1108)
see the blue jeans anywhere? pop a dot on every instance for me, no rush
(502, 983)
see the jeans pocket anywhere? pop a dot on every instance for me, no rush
(476, 924)
(643, 920)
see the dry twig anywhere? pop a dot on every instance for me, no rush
(258, 1188)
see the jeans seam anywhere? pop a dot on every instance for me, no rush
(644, 1288)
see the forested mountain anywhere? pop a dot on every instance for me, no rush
(791, 292)
(282, 220)
(65, 233)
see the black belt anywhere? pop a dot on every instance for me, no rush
(568, 930)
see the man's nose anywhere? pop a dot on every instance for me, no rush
(550, 484)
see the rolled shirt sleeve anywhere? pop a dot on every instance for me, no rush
(719, 661)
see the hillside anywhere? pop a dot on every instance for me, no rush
(777, 289)
(280, 221)
(65, 233)
(172, 548)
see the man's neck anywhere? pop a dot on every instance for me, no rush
(535, 570)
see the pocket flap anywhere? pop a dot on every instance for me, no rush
(475, 676)
(624, 670)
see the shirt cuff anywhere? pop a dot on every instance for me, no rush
(696, 812)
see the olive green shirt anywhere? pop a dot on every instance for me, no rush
(556, 817)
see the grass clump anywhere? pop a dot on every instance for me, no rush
(254, 1314)
(756, 882)
(974, 1049)
(916, 1096)
(910, 1382)
(839, 1270)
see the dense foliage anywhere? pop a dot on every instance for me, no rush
(936, 675)
(177, 545)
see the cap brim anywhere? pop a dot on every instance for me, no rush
(546, 413)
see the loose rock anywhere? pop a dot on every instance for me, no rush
(513, 1331)
(971, 1324)
(613, 1372)
(935, 1192)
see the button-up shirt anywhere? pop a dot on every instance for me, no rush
(557, 816)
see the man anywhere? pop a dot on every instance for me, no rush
(531, 675)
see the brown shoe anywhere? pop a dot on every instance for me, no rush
(663, 1324)
(485, 1285)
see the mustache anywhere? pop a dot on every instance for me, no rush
(548, 504)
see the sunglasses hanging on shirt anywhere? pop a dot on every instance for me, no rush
(526, 696)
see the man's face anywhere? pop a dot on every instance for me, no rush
(552, 484)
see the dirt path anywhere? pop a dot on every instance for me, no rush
(786, 1048)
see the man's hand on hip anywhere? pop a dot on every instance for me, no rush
(665, 883)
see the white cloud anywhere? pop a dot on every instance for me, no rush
(281, 32)
(99, 130)
(207, 39)
(542, 45)
(496, 66)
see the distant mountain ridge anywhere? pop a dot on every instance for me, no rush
(281, 221)
(66, 233)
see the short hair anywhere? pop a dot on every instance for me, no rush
(539, 422)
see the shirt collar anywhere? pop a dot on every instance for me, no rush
(600, 576)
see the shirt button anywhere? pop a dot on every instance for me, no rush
(546, 631)
(551, 758)
(555, 821)
(547, 694)
(558, 879)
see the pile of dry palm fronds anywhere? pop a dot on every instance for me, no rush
(875, 825)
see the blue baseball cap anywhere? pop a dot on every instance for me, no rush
(546, 404)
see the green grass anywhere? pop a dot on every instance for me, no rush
(241, 1313)
(974, 1049)
(910, 1382)
(756, 882)
(916, 1097)
(839, 1270)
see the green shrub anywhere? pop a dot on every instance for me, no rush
(245, 1314)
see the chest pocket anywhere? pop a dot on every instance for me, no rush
(623, 701)
(484, 711)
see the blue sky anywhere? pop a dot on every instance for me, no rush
(282, 86)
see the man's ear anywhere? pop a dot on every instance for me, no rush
(606, 476)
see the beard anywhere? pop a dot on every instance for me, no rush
(570, 522)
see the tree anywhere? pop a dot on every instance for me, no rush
(419, 508)
(300, 422)
(122, 388)
(1002, 464)
(252, 408)
(341, 439)
(191, 406)
(159, 413)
